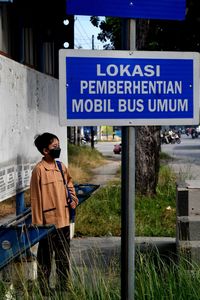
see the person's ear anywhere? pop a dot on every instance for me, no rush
(45, 151)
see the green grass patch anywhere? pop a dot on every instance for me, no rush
(155, 216)
(165, 156)
(100, 214)
(84, 156)
(155, 278)
(158, 279)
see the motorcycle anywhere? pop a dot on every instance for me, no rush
(87, 139)
(170, 139)
(175, 139)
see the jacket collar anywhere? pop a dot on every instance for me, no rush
(49, 167)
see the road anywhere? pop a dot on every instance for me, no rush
(186, 158)
(106, 148)
(106, 172)
(188, 149)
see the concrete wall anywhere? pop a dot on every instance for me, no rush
(28, 106)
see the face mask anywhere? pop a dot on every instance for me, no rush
(55, 152)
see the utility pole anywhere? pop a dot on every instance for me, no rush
(93, 42)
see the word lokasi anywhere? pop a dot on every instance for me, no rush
(128, 70)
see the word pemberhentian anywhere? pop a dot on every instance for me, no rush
(129, 105)
(126, 87)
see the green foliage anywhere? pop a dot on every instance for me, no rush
(165, 156)
(176, 35)
(110, 31)
(74, 151)
(161, 35)
(101, 213)
(156, 216)
(93, 282)
(84, 156)
(158, 279)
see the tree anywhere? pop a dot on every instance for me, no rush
(147, 138)
(110, 32)
(155, 35)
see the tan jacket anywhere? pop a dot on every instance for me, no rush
(48, 195)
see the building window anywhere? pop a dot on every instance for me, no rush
(48, 58)
(28, 48)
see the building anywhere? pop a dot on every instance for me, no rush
(31, 34)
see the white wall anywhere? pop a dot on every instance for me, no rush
(28, 106)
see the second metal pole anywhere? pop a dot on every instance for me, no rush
(128, 199)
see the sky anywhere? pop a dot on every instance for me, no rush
(83, 32)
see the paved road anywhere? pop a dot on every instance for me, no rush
(106, 148)
(186, 158)
(189, 149)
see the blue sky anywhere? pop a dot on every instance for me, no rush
(83, 32)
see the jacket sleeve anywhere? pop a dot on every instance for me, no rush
(36, 199)
(70, 185)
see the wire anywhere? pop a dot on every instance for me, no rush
(83, 34)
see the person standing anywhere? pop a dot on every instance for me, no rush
(50, 204)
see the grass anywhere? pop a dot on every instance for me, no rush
(101, 214)
(82, 160)
(93, 281)
(155, 278)
(157, 216)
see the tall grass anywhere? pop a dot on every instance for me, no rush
(156, 279)
(156, 216)
(101, 213)
(94, 281)
(82, 160)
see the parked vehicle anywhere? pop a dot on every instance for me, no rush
(117, 149)
(194, 133)
(87, 139)
(170, 138)
(175, 139)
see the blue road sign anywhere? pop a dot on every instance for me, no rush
(128, 88)
(146, 9)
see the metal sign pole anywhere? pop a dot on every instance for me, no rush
(128, 199)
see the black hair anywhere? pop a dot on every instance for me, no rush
(44, 140)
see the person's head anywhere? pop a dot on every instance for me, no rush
(48, 145)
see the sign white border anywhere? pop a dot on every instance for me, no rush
(63, 53)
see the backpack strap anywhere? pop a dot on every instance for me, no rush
(61, 171)
(72, 211)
